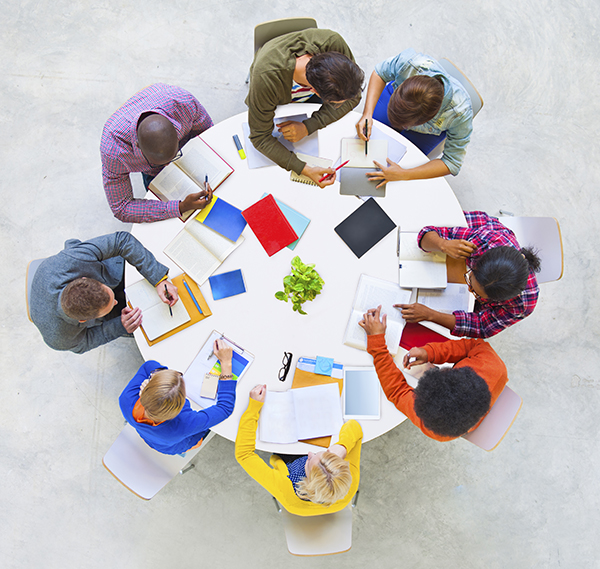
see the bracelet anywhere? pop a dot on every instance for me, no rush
(226, 376)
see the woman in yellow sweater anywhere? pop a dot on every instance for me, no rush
(320, 483)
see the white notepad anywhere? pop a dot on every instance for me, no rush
(156, 318)
(303, 413)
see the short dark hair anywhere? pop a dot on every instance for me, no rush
(416, 101)
(334, 76)
(450, 401)
(83, 299)
(503, 271)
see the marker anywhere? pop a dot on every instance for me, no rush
(168, 298)
(366, 143)
(329, 175)
(239, 146)
(193, 297)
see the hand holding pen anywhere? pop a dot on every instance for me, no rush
(328, 176)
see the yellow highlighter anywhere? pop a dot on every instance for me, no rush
(239, 146)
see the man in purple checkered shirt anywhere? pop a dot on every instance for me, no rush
(145, 135)
(498, 272)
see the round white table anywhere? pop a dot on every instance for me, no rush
(258, 321)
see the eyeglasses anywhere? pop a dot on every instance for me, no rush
(177, 157)
(287, 363)
(467, 276)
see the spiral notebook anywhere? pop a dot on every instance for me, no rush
(311, 161)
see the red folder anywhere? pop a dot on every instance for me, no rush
(416, 336)
(269, 225)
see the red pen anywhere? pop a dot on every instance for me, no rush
(329, 175)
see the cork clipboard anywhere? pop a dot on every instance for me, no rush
(307, 379)
(188, 302)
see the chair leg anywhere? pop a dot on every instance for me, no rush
(277, 505)
(355, 499)
(187, 468)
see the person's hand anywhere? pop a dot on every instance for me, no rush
(415, 312)
(391, 173)
(169, 296)
(371, 323)
(259, 393)
(131, 318)
(315, 173)
(223, 351)
(458, 248)
(420, 355)
(199, 200)
(292, 130)
(360, 127)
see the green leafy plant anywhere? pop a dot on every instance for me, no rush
(303, 284)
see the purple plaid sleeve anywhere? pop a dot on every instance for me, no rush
(121, 156)
(490, 317)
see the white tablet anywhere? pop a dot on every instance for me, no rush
(361, 393)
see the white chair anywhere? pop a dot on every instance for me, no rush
(543, 234)
(318, 535)
(275, 28)
(476, 99)
(497, 422)
(141, 469)
(32, 267)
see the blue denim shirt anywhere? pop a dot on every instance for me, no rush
(455, 115)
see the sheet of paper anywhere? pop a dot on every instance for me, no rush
(370, 293)
(218, 245)
(192, 257)
(318, 410)
(455, 297)
(142, 295)
(157, 319)
(277, 423)
(308, 145)
(353, 149)
(173, 183)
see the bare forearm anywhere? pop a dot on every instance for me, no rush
(445, 320)
(433, 169)
(374, 90)
(431, 241)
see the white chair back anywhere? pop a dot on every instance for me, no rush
(543, 234)
(497, 422)
(453, 71)
(140, 468)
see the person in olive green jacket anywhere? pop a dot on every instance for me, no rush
(294, 67)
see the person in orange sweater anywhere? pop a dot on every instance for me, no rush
(447, 402)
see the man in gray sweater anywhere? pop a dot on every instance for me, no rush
(310, 62)
(72, 299)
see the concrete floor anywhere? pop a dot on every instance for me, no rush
(532, 503)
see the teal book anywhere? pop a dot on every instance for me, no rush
(298, 221)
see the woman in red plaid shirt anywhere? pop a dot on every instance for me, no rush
(497, 271)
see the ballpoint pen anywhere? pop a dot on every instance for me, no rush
(329, 175)
(168, 298)
(366, 142)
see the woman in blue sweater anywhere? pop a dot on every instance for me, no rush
(155, 405)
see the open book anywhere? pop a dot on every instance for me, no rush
(370, 293)
(156, 318)
(418, 269)
(303, 413)
(199, 250)
(187, 174)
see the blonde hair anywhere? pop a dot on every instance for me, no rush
(164, 396)
(327, 482)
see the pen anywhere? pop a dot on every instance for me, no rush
(329, 175)
(238, 145)
(366, 143)
(212, 352)
(168, 298)
(193, 297)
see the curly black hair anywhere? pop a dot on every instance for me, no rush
(503, 271)
(450, 401)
